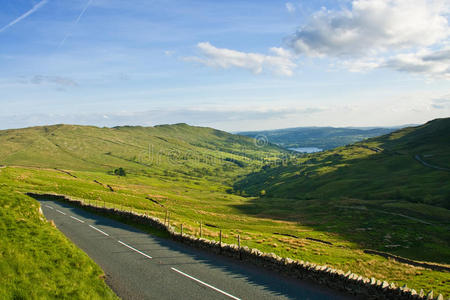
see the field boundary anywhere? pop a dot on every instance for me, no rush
(348, 282)
(427, 265)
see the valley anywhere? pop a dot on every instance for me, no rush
(325, 208)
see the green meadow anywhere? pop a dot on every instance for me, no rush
(370, 195)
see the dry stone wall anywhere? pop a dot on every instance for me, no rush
(348, 282)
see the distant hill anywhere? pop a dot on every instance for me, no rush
(320, 137)
(411, 164)
(160, 150)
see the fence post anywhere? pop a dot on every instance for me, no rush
(165, 218)
(181, 229)
(104, 203)
(200, 229)
(220, 240)
(168, 219)
(239, 246)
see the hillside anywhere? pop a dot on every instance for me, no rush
(319, 137)
(385, 167)
(189, 173)
(164, 150)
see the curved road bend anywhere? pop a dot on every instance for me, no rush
(140, 266)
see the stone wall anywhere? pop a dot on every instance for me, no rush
(348, 282)
(427, 265)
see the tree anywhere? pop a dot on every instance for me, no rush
(120, 172)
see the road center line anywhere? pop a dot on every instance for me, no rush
(148, 256)
(99, 230)
(61, 212)
(49, 207)
(81, 221)
(205, 284)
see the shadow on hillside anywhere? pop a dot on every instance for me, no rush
(403, 206)
(361, 222)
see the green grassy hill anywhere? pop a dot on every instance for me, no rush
(160, 150)
(385, 167)
(191, 171)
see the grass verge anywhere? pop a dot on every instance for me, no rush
(39, 262)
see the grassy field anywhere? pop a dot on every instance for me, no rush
(39, 262)
(197, 188)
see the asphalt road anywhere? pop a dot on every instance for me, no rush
(141, 266)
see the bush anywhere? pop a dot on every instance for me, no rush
(120, 172)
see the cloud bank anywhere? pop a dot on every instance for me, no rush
(371, 27)
(403, 35)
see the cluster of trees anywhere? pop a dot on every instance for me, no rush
(120, 172)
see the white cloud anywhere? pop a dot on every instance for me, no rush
(442, 103)
(395, 34)
(58, 80)
(371, 27)
(280, 63)
(169, 52)
(429, 63)
(290, 7)
(17, 20)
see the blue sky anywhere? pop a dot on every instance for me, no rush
(232, 65)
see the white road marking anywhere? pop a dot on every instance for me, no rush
(99, 230)
(81, 221)
(148, 256)
(205, 284)
(49, 207)
(61, 212)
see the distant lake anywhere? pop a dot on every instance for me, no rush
(306, 149)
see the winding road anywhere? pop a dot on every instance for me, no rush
(419, 159)
(141, 266)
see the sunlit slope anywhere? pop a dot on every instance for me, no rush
(187, 150)
(385, 167)
(39, 262)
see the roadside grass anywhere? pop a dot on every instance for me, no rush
(39, 262)
(350, 224)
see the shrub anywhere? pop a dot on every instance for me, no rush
(120, 172)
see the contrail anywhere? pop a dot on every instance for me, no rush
(35, 8)
(75, 23)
